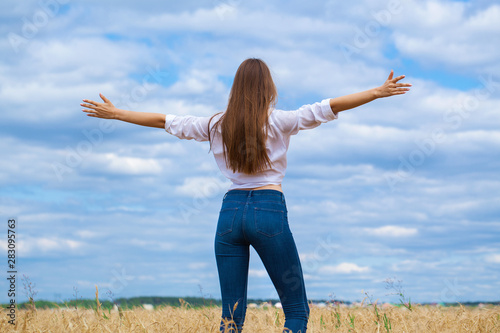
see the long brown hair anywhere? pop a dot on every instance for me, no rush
(244, 124)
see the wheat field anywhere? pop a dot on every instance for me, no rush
(206, 319)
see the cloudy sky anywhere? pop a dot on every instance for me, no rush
(404, 188)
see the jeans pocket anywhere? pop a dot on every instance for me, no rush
(269, 222)
(226, 220)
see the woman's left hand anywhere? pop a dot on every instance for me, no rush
(104, 110)
(392, 87)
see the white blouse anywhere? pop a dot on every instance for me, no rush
(282, 124)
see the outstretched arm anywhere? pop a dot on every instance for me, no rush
(107, 110)
(391, 87)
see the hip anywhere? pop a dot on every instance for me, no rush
(252, 212)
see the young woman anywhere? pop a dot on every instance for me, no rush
(249, 142)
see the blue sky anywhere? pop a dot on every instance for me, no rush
(406, 187)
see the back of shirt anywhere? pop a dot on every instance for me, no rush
(282, 124)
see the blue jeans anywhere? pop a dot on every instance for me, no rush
(258, 218)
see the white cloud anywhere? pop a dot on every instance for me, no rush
(310, 277)
(197, 82)
(153, 245)
(202, 187)
(58, 246)
(197, 265)
(181, 107)
(87, 234)
(257, 273)
(433, 14)
(391, 231)
(493, 258)
(448, 33)
(124, 165)
(243, 22)
(343, 268)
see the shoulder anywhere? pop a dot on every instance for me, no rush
(280, 114)
(216, 116)
(282, 120)
(306, 117)
(214, 119)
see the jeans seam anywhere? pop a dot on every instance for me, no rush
(232, 221)
(243, 220)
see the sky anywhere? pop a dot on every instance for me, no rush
(405, 188)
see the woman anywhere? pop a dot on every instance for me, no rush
(249, 142)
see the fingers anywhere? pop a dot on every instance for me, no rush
(400, 91)
(398, 88)
(90, 102)
(104, 98)
(395, 79)
(88, 106)
(93, 108)
(89, 112)
(391, 87)
(96, 103)
(398, 78)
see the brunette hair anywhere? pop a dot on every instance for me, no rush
(245, 122)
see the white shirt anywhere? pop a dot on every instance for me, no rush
(282, 124)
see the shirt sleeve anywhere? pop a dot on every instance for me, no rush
(187, 127)
(307, 117)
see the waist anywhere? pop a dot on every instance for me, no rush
(265, 187)
(258, 194)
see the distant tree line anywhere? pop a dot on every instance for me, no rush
(158, 302)
(130, 303)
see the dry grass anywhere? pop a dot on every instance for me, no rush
(186, 319)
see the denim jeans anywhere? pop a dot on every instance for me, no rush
(258, 218)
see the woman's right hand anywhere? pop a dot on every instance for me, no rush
(391, 86)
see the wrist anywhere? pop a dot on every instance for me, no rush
(118, 114)
(376, 92)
